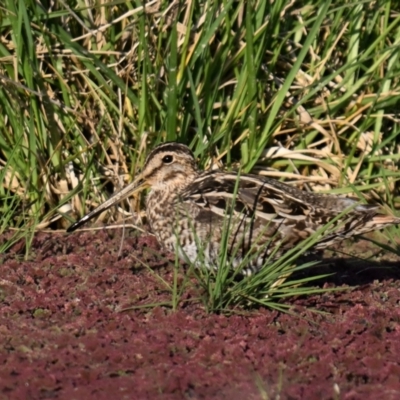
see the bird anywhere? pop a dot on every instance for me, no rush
(253, 219)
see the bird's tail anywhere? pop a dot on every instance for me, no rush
(379, 221)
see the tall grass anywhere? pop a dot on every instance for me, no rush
(303, 91)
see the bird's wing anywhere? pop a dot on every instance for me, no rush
(269, 198)
(270, 211)
(262, 201)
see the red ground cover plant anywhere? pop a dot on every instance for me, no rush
(68, 330)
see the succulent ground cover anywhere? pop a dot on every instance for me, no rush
(303, 91)
(79, 319)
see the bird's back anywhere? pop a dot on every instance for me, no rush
(265, 216)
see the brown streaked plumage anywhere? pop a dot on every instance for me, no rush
(190, 210)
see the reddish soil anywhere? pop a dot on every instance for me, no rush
(69, 330)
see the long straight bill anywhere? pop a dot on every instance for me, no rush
(137, 185)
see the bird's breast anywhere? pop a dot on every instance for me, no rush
(160, 214)
(176, 226)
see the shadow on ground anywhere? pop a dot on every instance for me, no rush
(63, 334)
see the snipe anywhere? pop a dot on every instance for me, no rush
(188, 210)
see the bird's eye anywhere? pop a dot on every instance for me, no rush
(167, 159)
